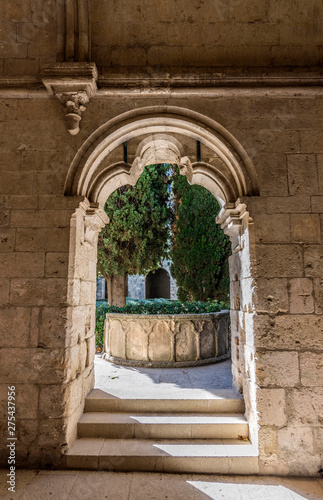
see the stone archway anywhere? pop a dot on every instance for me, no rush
(158, 284)
(168, 135)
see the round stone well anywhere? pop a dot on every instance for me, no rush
(166, 340)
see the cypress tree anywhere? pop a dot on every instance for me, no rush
(200, 249)
(137, 238)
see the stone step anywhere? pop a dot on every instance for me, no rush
(158, 426)
(183, 456)
(181, 401)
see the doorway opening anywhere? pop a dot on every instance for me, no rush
(170, 136)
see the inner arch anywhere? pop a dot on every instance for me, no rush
(92, 174)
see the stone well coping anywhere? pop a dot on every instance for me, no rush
(166, 340)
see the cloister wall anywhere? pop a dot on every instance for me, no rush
(47, 345)
(269, 98)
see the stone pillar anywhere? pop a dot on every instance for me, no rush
(48, 278)
(288, 329)
(236, 222)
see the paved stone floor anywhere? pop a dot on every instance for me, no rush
(83, 485)
(125, 381)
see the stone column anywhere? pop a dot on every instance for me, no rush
(236, 222)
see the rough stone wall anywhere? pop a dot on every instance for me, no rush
(44, 331)
(167, 36)
(47, 287)
(45, 352)
(31, 34)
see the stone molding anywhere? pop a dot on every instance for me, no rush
(231, 218)
(95, 219)
(73, 84)
(86, 177)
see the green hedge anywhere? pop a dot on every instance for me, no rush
(157, 306)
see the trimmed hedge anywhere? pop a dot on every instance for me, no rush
(156, 306)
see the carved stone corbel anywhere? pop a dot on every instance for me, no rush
(74, 104)
(73, 84)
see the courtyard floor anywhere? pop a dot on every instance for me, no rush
(84, 485)
(129, 382)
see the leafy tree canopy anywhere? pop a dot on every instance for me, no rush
(138, 235)
(200, 249)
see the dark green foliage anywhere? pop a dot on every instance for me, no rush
(156, 306)
(137, 238)
(200, 248)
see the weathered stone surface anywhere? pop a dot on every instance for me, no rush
(222, 336)
(268, 442)
(14, 326)
(161, 344)
(318, 295)
(207, 341)
(42, 239)
(290, 204)
(27, 401)
(38, 292)
(317, 204)
(301, 296)
(22, 265)
(186, 342)
(271, 295)
(137, 342)
(35, 366)
(289, 331)
(306, 228)
(279, 261)
(272, 407)
(279, 368)
(7, 239)
(116, 336)
(56, 265)
(296, 440)
(302, 174)
(311, 368)
(272, 228)
(40, 218)
(4, 291)
(305, 406)
(313, 260)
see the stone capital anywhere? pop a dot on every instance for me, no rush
(95, 219)
(231, 218)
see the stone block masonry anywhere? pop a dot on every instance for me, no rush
(270, 183)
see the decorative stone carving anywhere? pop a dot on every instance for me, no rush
(166, 340)
(231, 217)
(95, 219)
(73, 84)
(186, 168)
(74, 104)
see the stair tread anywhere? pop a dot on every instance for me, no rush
(182, 394)
(165, 418)
(189, 448)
